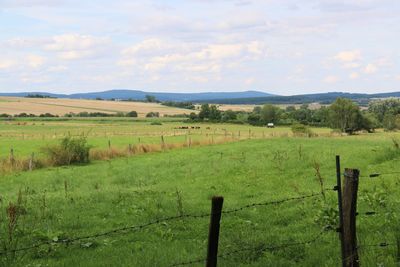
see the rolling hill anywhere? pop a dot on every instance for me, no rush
(140, 95)
(323, 98)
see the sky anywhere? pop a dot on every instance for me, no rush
(283, 47)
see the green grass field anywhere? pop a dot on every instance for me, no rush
(68, 202)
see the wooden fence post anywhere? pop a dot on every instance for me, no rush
(130, 149)
(349, 217)
(162, 142)
(31, 161)
(213, 234)
(338, 188)
(12, 159)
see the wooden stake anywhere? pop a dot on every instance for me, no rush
(338, 188)
(349, 217)
(213, 234)
(12, 159)
(31, 162)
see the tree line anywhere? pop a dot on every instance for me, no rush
(343, 114)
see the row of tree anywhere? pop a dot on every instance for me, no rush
(83, 114)
(343, 115)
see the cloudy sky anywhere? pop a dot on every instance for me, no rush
(277, 46)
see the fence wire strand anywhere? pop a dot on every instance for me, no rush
(378, 174)
(68, 241)
(258, 249)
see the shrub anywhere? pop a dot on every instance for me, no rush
(152, 115)
(69, 151)
(301, 130)
(132, 114)
(47, 115)
(156, 123)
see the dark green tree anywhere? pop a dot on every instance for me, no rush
(345, 115)
(150, 98)
(204, 111)
(269, 114)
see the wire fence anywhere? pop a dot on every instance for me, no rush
(68, 241)
(257, 249)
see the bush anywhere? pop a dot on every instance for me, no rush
(69, 151)
(156, 123)
(47, 115)
(152, 115)
(301, 130)
(132, 114)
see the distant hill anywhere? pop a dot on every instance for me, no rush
(140, 95)
(24, 94)
(246, 97)
(323, 98)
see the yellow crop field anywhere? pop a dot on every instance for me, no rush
(37, 106)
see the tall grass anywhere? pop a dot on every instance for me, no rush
(75, 150)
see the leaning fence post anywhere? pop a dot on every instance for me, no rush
(349, 217)
(213, 234)
(338, 188)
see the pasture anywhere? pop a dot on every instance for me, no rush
(248, 165)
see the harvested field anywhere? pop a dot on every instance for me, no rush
(37, 106)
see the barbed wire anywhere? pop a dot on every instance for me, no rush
(188, 262)
(110, 232)
(68, 241)
(258, 249)
(280, 246)
(382, 245)
(374, 175)
(271, 203)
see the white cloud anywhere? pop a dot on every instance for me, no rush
(59, 68)
(331, 79)
(7, 64)
(351, 65)
(76, 46)
(35, 61)
(155, 55)
(348, 56)
(354, 75)
(33, 78)
(384, 62)
(370, 69)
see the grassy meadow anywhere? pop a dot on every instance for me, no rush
(257, 165)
